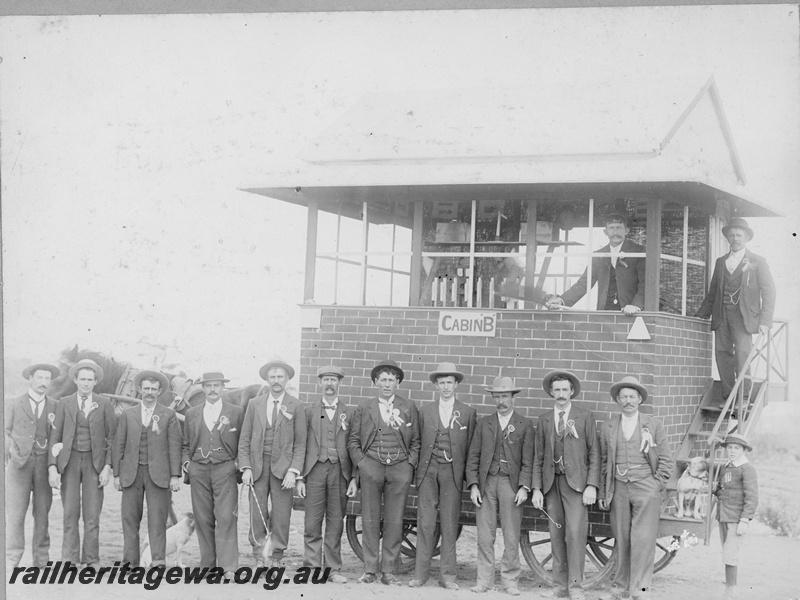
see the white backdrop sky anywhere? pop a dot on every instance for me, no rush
(125, 138)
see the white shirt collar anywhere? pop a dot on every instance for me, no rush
(739, 461)
(279, 398)
(212, 407)
(733, 260)
(446, 410)
(504, 420)
(389, 401)
(146, 410)
(557, 410)
(334, 403)
(34, 396)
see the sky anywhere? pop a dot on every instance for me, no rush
(125, 141)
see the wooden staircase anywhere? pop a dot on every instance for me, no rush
(715, 417)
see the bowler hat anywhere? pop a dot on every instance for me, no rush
(157, 375)
(213, 376)
(86, 363)
(444, 369)
(40, 367)
(733, 438)
(503, 384)
(548, 381)
(331, 370)
(390, 364)
(629, 381)
(737, 223)
(276, 362)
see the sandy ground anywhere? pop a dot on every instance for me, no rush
(769, 568)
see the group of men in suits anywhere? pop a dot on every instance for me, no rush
(326, 450)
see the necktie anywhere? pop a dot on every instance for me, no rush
(83, 403)
(330, 409)
(148, 413)
(560, 427)
(274, 412)
(38, 411)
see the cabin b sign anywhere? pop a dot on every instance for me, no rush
(467, 323)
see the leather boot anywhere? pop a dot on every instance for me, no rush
(730, 583)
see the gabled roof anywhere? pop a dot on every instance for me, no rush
(626, 131)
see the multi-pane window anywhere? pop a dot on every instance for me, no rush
(363, 254)
(475, 252)
(472, 252)
(684, 249)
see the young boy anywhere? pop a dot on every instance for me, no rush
(736, 488)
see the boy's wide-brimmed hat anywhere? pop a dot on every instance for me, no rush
(629, 381)
(157, 375)
(503, 384)
(737, 223)
(390, 364)
(548, 381)
(276, 362)
(734, 438)
(444, 369)
(54, 371)
(213, 376)
(86, 363)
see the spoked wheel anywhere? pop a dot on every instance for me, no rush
(408, 550)
(535, 546)
(603, 549)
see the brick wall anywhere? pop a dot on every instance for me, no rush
(674, 365)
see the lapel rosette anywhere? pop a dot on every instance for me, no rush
(154, 424)
(223, 421)
(343, 421)
(647, 440)
(571, 428)
(395, 420)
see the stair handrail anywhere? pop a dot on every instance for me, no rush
(756, 349)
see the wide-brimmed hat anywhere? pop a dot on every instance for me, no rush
(86, 363)
(391, 365)
(28, 371)
(212, 376)
(629, 381)
(737, 439)
(331, 370)
(157, 375)
(503, 384)
(444, 369)
(548, 380)
(737, 223)
(276, 362)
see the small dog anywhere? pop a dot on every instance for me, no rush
(177, 537)
(689, 485)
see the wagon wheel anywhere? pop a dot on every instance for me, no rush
(535, 546)
(603, 548)
(408, 549)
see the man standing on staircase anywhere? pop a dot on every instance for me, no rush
(636, 464)
(740, 302)
(620, 277)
